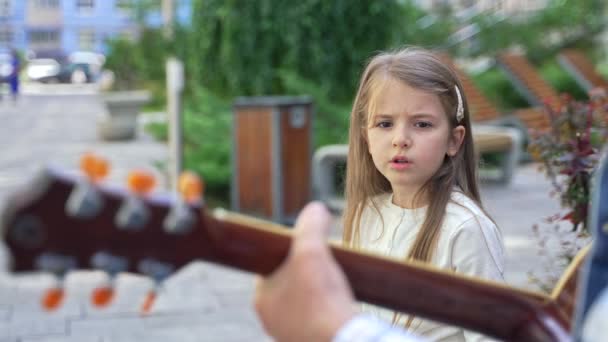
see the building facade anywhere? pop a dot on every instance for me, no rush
(508, 7)
(55, 28)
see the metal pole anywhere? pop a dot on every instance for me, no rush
(175, 86)
(168, 13)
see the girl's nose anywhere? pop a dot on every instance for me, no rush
(401, 139)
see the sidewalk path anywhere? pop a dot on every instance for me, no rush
(202, 302)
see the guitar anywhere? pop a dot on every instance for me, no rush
(594, 274)
(63, 222)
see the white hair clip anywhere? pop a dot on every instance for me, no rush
(460, 109)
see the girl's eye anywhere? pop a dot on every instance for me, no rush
(384, 124)
(423, 124)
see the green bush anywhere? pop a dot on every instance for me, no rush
(207, 124)
(238, 47)
(125, 61)
(573, 22)
(158, 93)
(331, 119)
(561, 81)
(496, 87)
(208, 141)
(140, 64)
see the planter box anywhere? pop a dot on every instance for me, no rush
(120, 119)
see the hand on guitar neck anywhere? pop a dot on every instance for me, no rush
(60, 223)
(307, 298)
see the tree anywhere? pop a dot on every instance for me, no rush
(561, 24)
(240, 47)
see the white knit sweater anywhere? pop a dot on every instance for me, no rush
(469, 243)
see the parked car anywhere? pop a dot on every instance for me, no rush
(43, 70)
(95, 61)
(75, 73)
(50, 71)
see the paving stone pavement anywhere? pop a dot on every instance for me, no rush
(201, 302)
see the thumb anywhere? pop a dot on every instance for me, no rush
(313, 225)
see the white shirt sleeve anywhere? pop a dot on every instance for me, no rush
(478, 250)
(366, 328)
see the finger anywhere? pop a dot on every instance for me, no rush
(257, 294)
(313, 225)
(258, 282)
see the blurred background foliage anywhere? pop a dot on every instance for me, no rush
(316, 47)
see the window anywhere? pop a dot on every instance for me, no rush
(86, 39)
(5, 8)
(40, 37)
(6, 36)
(85, 5)
(46, 4)
(125, 5)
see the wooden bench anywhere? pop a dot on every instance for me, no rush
(507, 141)
(492, 142)
(581, 69)
(529, 83)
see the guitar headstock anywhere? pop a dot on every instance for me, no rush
(61, 222)
(120, 231)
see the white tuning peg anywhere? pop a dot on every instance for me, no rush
(109, 263)
(155, 269)
(84, 201)
(180, 219)
(56, 263)
(132, 214)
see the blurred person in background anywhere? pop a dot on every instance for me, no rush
(13, 79)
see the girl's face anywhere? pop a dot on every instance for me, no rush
(408, 135)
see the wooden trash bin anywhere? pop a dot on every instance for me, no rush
(271, 157)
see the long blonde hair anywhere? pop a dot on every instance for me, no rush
(423, 70)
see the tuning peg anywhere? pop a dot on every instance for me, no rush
(190, 187)
(112, 265)
(56, 263)
(133, 213)
(85, 201)
(140, 182)
(103, 295)
(53, 298)
(94, 167)
(181, 217)
(148, 303)
(59, 265)
(109, 263)
(157, 270)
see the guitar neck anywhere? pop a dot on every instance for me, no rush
(495, 310)
(37, 227)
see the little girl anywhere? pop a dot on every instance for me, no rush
(411, 182)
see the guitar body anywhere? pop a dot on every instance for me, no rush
(43, 233)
